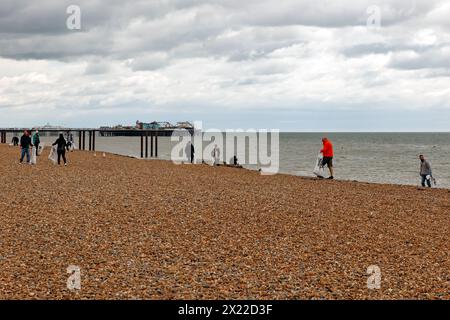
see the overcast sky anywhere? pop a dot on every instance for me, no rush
(295, 65)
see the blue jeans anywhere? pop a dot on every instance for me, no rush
(424, 178)
(25, 151)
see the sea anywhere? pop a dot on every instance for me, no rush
(367, 157)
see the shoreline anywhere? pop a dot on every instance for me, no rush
(280, 173)
(374, 172)
(155, 230)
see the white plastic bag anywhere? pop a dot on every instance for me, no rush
(432, 180)
(53, 156)
(33, 156)
(318, 169)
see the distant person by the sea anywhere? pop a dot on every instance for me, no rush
(70, 142)
(36, 141)
(15, 141)
(190, 151)
(328, 154)
(25, 145)
(61, 148)
(425, 171)
(216, 155)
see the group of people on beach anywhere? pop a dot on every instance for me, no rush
(327, 152)
(29, 147)
(215, 154)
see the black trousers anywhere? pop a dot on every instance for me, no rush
(37, 148)
(62, 153)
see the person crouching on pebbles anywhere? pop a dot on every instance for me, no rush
(328, 154)
(61, 150)
(15, 141)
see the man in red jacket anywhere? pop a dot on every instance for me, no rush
(328, 154)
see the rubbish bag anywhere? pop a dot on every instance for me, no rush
(53, 156)
(33, 159)
(433, 180)
(318, 169)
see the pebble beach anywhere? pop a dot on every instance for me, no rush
(150, 229)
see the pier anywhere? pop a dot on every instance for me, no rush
(86, 137)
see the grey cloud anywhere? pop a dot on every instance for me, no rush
(150, 62)
(253, 43)
(57, 46)
(97, 67)
(412, 60)
(364, 49)
(270, 67)
(326, 13)
(385, 48)
(37, 30)
(49, 16)
(440, 73)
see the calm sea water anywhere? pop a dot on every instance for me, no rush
(369, 157)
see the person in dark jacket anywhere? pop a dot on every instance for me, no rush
(15, 141)
(62, 144)
(190, 152)
(25, 144)
(36, 141)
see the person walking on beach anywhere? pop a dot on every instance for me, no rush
(328, 154)
(25, 144)
(70, 145)
(425, 171)
(216, 155)
(61, 149)
(36, 141)
(190, 151)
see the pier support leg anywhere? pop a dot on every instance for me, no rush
(146, 144)
(90, 140)
(79, 140)
(93, 140)
(142, 145)
(156, 144)
(151, 144)
(84, 140)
